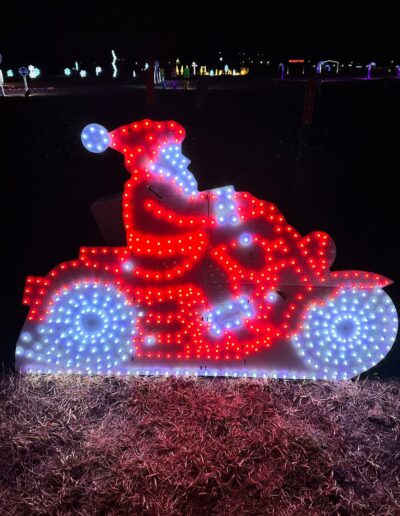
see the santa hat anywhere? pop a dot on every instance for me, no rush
(140, 142)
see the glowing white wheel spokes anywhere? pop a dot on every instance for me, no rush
(348, 334)
(89, 329)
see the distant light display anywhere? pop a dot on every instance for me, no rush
(83, 73)
(34, 72)
(10, 73)
(212, 282)
(156, 72)
(114, 64)
(370, 67)
(67, 71)
(326, 65)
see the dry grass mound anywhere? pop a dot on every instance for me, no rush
(107, 445)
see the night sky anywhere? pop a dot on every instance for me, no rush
(49, 32)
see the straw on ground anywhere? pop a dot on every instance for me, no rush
(109, 445)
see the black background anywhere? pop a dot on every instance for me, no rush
(52, 34)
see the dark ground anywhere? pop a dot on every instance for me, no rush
(166, 447)
(345, 183)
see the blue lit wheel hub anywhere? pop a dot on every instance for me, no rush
(89, 329)
(95, 138)
(91, 323)
(346, 328)
(348, 335)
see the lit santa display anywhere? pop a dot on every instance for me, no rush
(209, 282)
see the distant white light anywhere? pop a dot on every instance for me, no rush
(34, 72)
(113, 63)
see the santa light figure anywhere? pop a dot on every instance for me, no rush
(211, 282)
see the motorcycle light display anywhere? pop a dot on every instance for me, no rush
(211, 282)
